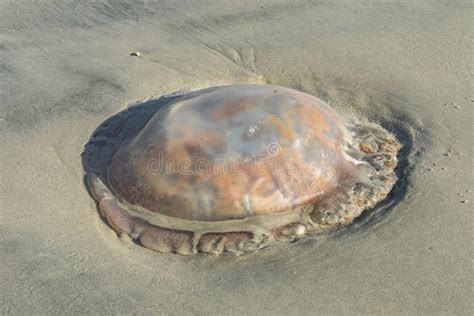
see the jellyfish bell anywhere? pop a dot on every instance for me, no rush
(237, 168)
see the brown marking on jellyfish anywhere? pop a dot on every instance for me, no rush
(284, 128)
(231, 108)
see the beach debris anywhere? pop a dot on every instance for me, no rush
(449, 152)
(238, 168)
(135, 54)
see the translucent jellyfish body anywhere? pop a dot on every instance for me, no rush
(239, 167)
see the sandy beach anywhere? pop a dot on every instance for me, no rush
(67, 66)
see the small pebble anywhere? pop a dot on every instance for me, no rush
(136, 54)
(464, 201)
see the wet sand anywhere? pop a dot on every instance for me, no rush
(65, 67)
